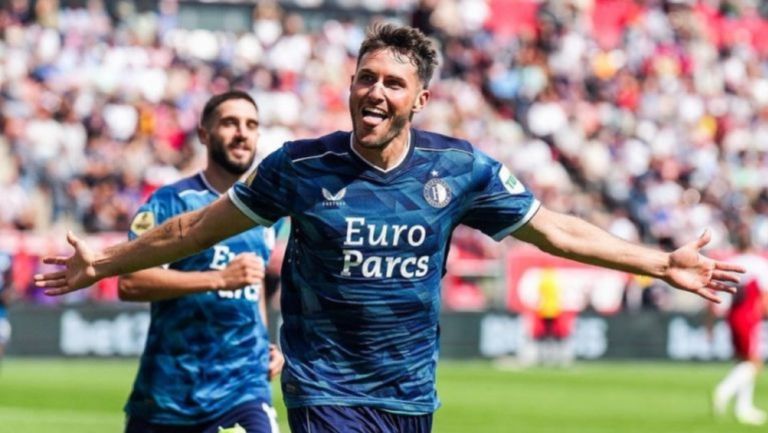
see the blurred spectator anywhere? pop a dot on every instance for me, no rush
(645, 116)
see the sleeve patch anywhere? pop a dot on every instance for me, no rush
(510, 182)
(251, 177)
(142, 222)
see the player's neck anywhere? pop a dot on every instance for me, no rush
(388, 156)
(219, 178)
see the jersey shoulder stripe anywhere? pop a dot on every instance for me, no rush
(431, 141)
(189, 185)
(336, 143)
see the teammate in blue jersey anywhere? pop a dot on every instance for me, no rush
(372, 212)
(207, 361)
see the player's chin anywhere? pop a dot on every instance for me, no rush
(371, 139)
(239, 167)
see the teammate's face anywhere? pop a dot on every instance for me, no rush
(232, 136)
(384, 93)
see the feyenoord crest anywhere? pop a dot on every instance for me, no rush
(437, 193)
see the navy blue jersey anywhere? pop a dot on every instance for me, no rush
(361, 275)
(205, 352)
(344, 419)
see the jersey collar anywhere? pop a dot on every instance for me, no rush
(380, 170)
(208, 184)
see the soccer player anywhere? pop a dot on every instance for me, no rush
(745, 317)
(372, 212)
(6, 294)
(207, 361)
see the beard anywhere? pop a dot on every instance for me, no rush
(217, 153)
(396, 126)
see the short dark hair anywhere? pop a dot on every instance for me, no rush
(216, 100)
(404, 40)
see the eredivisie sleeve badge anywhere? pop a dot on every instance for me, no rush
(142, 222)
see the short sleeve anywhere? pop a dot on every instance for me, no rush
(499, 204)
(163, 204)
(264, 197)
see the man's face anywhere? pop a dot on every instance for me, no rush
(232, 136)
(385, 91)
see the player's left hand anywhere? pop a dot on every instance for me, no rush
(689, 270)
(276, 361)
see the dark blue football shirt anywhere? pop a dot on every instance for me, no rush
(205, 352)
(361, 275)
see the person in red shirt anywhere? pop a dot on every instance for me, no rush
(744, 317)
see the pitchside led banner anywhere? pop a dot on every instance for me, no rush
(119, 330)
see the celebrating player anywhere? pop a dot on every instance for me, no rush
(372, 212)
(744, 318)
(207, 361)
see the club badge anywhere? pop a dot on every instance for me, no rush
(437, 193)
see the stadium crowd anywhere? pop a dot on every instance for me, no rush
(645, 117)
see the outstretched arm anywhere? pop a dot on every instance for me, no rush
(573, 238)
(158, 284)
(177, 238)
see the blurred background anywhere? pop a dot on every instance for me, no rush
(646, 117)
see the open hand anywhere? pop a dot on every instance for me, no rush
(78, 271)
(690, 271)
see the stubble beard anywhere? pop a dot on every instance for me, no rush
(398, 124)
(218, 154)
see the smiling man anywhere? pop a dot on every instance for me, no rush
(207, 360)
(372, 212)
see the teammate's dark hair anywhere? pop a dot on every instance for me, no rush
(407, 41)
(210, 107)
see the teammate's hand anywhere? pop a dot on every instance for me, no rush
(78, 271)
(245, 269)
(690, 271)
(276, 361)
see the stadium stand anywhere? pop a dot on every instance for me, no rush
(647, 118)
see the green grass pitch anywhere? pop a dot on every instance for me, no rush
(85, 396)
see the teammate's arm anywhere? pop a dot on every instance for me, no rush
(573, 238)
(276, 359)
(263, 303)
(157, 284)
(176, 238)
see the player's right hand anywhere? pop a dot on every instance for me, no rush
(243, 270)
(276, 361)
(78, 271)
